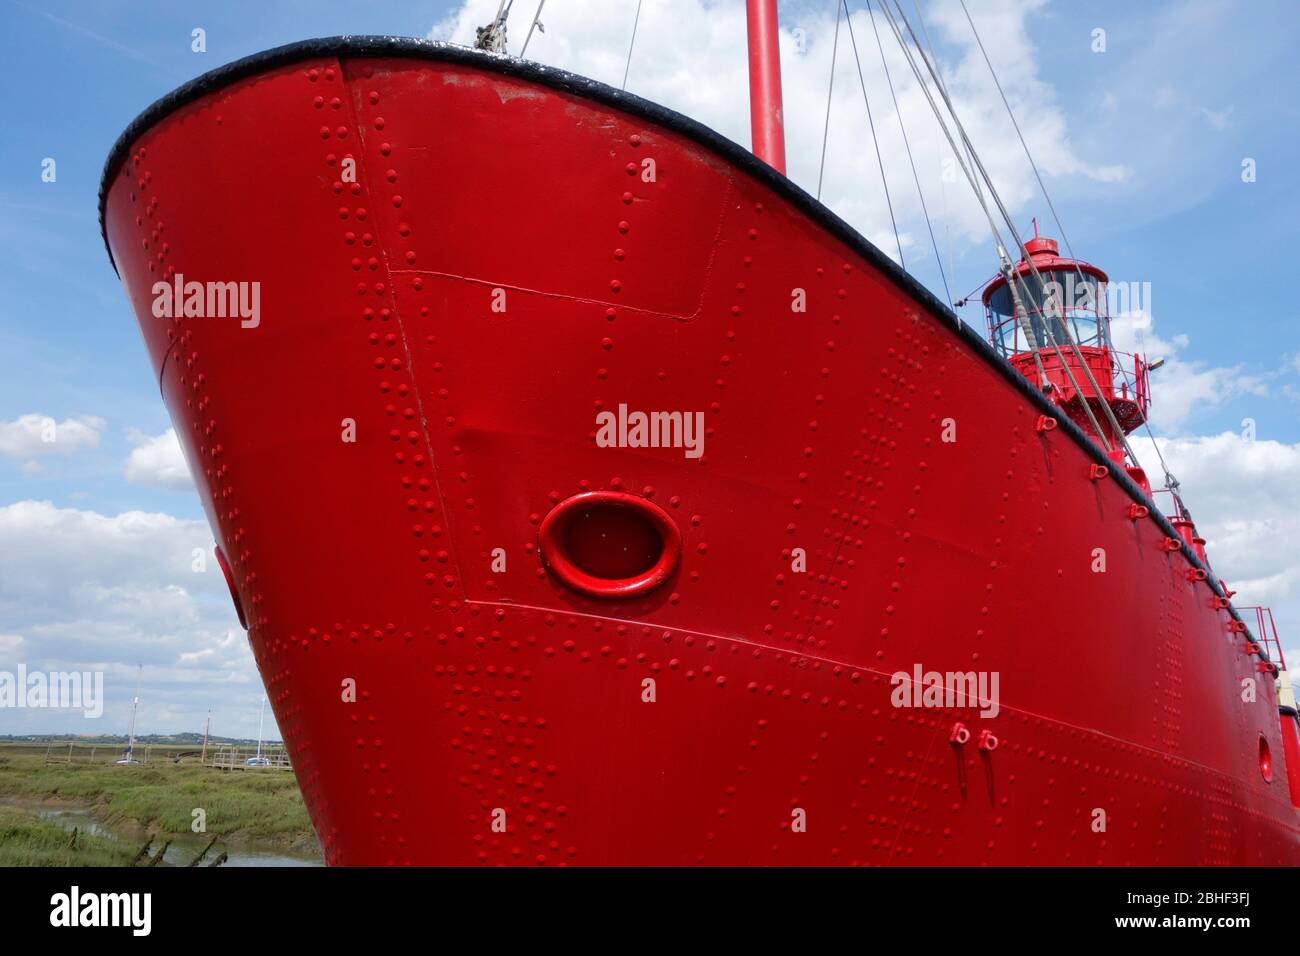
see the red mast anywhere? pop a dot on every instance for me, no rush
(765, 119)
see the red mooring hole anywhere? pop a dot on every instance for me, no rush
(1265, 760)
(610, 544)
(611, 541)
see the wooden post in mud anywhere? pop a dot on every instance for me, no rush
(202, 853)
(48, 747)
(144, 851)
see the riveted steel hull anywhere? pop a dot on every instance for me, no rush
(501, 270)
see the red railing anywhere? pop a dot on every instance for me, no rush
(1106, 361)
(1266, 633)
(1141, 381)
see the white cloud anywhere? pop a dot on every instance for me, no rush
(10, 647)
(1165, 97)
(1245, 498)
(1181, 386)
(1217, 118)
(105, 592)
(158, 460)
(690, 55)
(33, 434)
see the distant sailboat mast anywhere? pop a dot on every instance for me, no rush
(258, 760)
(135, 707)
(261, 718)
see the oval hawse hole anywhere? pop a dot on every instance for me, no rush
(609, 544)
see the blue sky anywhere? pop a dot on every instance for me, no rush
(1143, 146)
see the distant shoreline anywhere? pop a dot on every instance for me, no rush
(106, 739)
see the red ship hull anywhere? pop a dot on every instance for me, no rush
(503, 269)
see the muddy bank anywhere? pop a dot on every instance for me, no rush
(92, 819)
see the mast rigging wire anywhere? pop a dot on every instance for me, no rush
(1170, 480)
(933, 58)
(1046, 297)
(534, 25)
(1049, 300)
(872, 123)
(1003, 258)
(628, 65)
(493, 36)
(906, 143)
(826, 130)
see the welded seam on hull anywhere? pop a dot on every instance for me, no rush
(1187, 763)
(716, 245)
(911, 797)
(382, 240)
(738, 156)
(491, 283)
(607, 303)
(162, 366)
